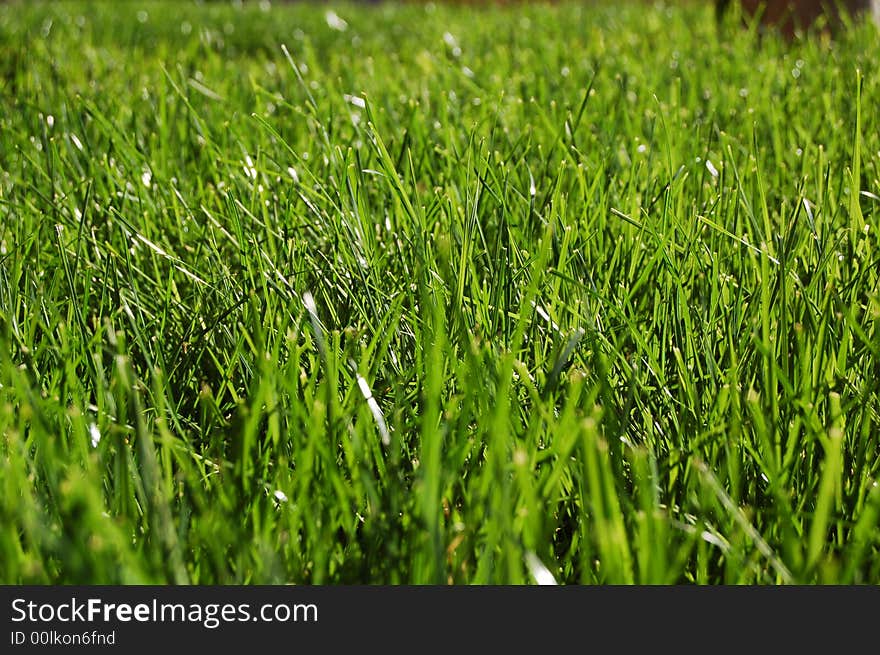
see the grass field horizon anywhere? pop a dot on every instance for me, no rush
(320, 294)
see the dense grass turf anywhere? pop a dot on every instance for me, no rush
(430, 294)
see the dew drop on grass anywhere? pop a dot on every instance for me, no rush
(357, 101)
(540, 573)
(335, 22)
(249, 169)
(375, 410)
(94, 435)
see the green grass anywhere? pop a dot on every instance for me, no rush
(445, 296)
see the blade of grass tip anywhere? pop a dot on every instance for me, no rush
(540, 573)
(299, 77)
(375, 410)
(84, 208)
(650, 542)
(864, 532)
(855, 209)
(562, 361)
(832, 470)
(429, 567)
(158, 498)
(312, 309)
(386, 162)
(767, 241)
(324, 355)
(580, 114)
(198, 123)
(740, 240)
(537, 270)
(740, 518)
(69, 276)
(610, 526)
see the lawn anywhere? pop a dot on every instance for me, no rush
(305, 293)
